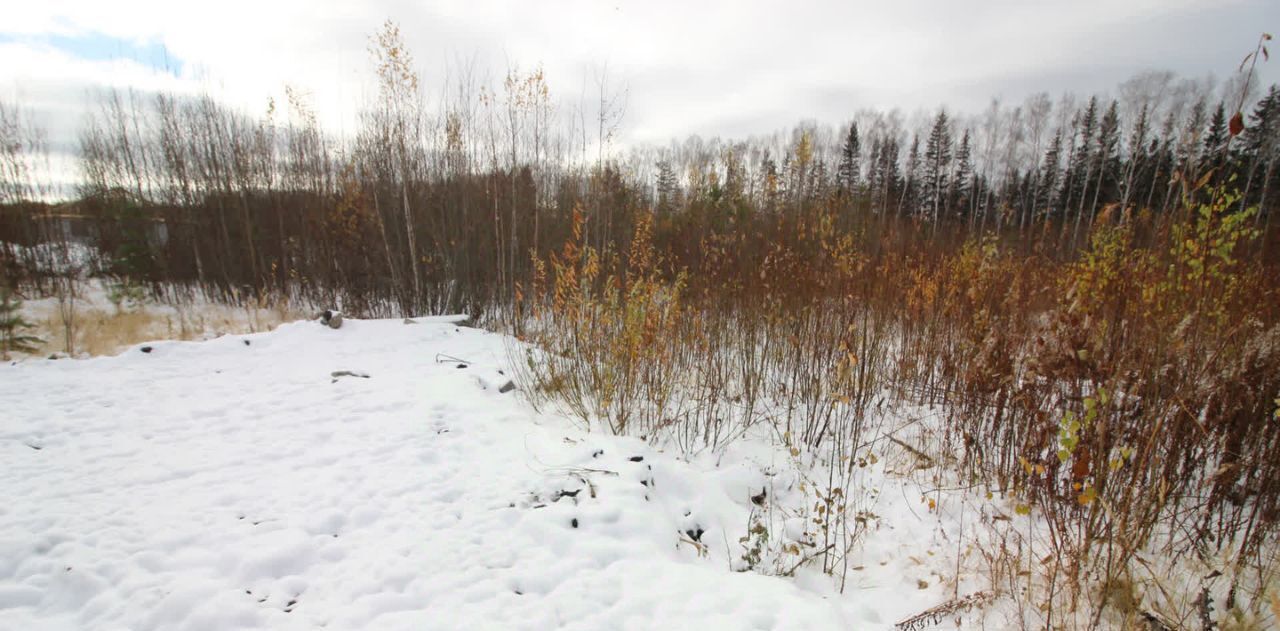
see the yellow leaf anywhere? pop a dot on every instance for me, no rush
(1087, 496)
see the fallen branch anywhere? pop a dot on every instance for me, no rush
(928, 460)
(934, 615)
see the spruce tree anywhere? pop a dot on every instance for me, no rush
(962, 184)
(937, 160)
(1107, 156)
(849, 171)
(1049, 176)
(1215, 139)
(1260, 148)
(1081, 167)
(911, 177)
(1137, 156)
(13, 327)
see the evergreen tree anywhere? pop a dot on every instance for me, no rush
(1162, 164)
(1080, 169)
(1214, 144)
(1137, 154)
(850, 169)
(1080, 164)
(962, 185)
(893, 180)
(1107, 155)
(885, 171)
(1264, 123)
(937, 161)
(13, 326)
(1260, 149)
(1049, 176)
(911, 178)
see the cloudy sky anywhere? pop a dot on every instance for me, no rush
(729, 68)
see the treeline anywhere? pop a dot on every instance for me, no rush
(1040, 168)
(442, 208)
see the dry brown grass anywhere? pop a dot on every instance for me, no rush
(106, 331)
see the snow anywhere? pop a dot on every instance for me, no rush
(55, 258)
(237, 484)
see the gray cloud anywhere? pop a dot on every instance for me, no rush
(713, 68)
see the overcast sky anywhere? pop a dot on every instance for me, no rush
(728, 68)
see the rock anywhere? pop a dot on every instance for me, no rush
(458, 320)
(410, 321)
(331, 318)
(145, 349)
(507, 387)
(246, 342)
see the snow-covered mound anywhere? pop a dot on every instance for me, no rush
(239, 484)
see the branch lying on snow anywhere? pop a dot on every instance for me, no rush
(347, 373)
(580, 470)
(1155, 623)
(582, 475)
(934, 615)
(807, 558)
(925, 458)
(591, 486)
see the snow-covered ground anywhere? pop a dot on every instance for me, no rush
(237, 484)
